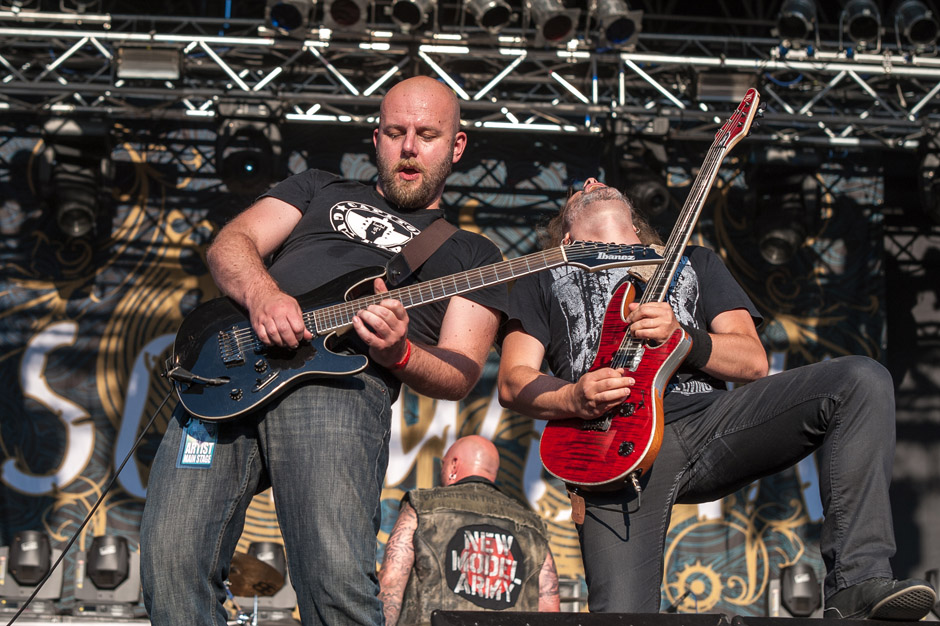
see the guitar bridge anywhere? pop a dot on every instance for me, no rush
(230, 350)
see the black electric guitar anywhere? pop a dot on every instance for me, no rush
(220, 368)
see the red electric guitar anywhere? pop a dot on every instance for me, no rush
(603, 453)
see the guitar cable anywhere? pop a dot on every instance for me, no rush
(94, 508)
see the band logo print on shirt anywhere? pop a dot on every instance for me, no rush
(484, 565)
(368, 224)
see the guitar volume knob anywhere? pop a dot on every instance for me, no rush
(626, 409)
(235, 394)
(626, 448)
(261, 365)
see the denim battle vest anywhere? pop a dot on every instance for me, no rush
(475, 548)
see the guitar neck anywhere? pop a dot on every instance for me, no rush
(658, 287)
(339, 316)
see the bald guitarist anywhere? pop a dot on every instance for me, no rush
(715, 441)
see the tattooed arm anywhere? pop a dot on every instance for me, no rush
(549, 600)
(396, 567)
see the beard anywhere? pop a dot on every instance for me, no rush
(409, 194)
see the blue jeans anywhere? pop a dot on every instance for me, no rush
(323, 447)
(844, 408)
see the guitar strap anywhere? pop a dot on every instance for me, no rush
(401, 266)
(645, 272)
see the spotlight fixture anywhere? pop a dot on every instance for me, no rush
(23, 566)
(78, 157)
(148, 63)
(800, 592)
(345, 14)
(915, 23)
(649, 196)
(928, 176)
(247, 154)
(409, 14)
(80, 6)
(795, 592)
(288, 17)
(107, 577)
(797, 20)
(617, 25)
(860, 20)
(784, 205)
(491, 15)
(553, 22)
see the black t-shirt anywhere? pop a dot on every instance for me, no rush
(564, 309)
(346, 226)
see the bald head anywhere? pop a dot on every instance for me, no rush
(470, 456)
(429, 93)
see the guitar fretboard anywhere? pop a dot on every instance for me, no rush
(339, 316)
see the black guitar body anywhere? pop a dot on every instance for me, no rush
(216, 342)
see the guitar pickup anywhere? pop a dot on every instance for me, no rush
(601, 424)
(264, 381)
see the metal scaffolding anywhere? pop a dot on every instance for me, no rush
(667, 86)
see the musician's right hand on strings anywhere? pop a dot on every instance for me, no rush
(277, 319)
(599, 391)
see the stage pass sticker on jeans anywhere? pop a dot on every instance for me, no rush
(198, 444)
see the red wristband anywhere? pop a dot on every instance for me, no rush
(404, 360)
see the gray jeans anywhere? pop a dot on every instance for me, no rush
(844, 408)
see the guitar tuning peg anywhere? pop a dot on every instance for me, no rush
(760, 110)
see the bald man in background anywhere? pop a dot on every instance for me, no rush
(466, 546)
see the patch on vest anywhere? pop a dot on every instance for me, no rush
(485, 566)
(372, 225)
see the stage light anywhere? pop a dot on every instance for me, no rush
(553, 22)
(148, 63)
(107, 578)
(409, 14)
(80, 6)
(30, 557)
(491, 15)
(247, 155)
(795, 592)
(345, 14)
(108, 560)
(650, 196)
(915, 23)
(78, 157)
(861, 21)
(288, 17)
(796, 20)
(784, 206)
(76, 197)
(617, 24)
(928, 176)
(23, 565)
(800, 593)
(19, 5)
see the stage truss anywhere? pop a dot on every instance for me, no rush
(668, 87)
